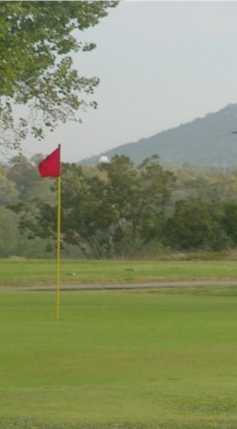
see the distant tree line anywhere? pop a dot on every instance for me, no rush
(117, 209)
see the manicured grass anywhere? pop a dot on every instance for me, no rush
(119, 360)
(42, 272)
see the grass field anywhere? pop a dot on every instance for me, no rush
(42, 272)
(164, 360)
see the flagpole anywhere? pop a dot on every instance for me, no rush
(51, 167)
(58, 249)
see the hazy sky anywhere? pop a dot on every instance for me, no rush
(160, 64)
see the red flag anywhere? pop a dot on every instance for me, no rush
(50, 166)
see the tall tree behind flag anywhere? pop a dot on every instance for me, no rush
(51, 167)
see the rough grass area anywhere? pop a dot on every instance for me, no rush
(32, 424)
(42, 272)
(119, 360)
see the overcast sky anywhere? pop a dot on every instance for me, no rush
(160, 64)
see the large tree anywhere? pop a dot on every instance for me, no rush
(37, 39)
(115, 210)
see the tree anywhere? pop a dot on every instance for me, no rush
(229, 220)
(157, 188)
(24, 174)
(196, 224)
(8, 232)
(8, 191)
(113, 210)
(36, 68)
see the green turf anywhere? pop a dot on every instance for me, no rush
(38, 272)
(119, 360)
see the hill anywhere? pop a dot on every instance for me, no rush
(207, 141)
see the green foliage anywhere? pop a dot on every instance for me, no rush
(120, 210)
(23, 174)
(8, 191)
(207, 184)
(36, 70)
(8, 232)
(25, 189)
(114, 211)
(196, 224)
(229, 221)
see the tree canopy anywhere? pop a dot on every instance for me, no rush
(116, 209)
(36, 68)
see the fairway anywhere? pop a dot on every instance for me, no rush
(30, 273)
(119, 360)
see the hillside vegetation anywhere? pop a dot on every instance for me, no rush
(207, 141)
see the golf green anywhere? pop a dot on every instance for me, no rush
(114, 358)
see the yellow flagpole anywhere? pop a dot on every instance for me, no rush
(58, 250)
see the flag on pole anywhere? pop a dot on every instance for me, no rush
(51, 167)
